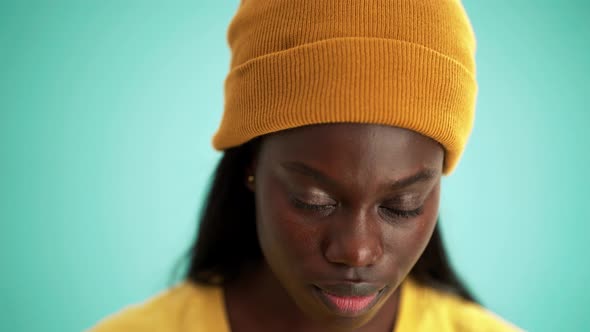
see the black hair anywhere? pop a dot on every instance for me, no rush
(228, 222)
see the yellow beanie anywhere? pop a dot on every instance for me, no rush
(404, 63)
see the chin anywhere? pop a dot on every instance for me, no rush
(339, 323)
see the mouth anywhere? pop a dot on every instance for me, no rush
(349, 299)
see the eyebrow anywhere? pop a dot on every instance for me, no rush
(308, 171)
(422, 176)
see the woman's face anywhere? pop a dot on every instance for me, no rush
(344, 211)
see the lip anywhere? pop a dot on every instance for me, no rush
(349, 299)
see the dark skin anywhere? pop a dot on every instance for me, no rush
(347, 208)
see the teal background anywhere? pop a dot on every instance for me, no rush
(108, 107)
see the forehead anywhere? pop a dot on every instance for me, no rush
(353, 147)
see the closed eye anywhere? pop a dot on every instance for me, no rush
(396, 213)
(321, 209)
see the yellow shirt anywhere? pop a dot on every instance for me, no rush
(191, 307)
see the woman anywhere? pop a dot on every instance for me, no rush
(340, 119)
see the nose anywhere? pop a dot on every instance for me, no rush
(354, 242)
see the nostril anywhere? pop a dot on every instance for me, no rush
(353, 253)
(354, 240)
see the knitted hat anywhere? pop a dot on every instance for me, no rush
(404, 63)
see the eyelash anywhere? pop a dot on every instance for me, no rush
(325, 209)
(403, 213)
(312, 207)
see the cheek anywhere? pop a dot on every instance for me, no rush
(286, 239)
(412, 241)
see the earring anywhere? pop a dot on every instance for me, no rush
(250, 178)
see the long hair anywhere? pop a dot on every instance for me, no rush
(228, 222)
